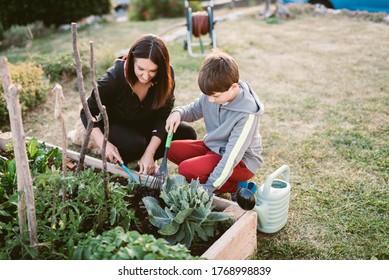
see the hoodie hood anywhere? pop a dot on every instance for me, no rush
(246, 102)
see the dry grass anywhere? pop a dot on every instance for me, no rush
(324, 83)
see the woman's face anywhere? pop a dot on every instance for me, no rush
(145, 69)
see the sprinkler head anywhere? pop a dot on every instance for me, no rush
(245, 199)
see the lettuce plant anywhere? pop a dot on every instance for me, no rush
(187, 213)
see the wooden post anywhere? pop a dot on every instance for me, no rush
(81, 89)
(57, 90)
(23, 170)
(103, 113)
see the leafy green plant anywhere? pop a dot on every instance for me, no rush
(7, 177)
(116, 244)
(40, 160)
(188, 212)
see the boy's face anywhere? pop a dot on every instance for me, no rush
(223, 97)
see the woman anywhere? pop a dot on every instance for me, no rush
(138, 93)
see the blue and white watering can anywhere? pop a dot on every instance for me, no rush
(270, 201)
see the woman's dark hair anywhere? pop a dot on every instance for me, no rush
(152, 47)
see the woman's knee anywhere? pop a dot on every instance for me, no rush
(185, 131)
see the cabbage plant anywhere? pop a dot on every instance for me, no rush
(187, 213)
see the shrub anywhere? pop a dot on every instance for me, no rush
(51, 12)
(61, 66)
(20, 36)
(17, 36)
(34, 88)
(150, 9)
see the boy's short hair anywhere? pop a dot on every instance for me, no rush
(217, 73)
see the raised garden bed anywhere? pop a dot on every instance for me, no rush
(237, 243)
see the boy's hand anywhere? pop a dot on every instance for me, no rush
(173, 121)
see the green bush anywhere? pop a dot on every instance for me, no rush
(61, 66)
(150, 9)
(51, 12)
(34, 88)
(17, 36)
(20, 36)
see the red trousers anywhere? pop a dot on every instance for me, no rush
(196, 161)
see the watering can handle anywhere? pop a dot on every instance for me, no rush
(269, 181)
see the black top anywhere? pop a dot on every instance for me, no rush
(124, 107)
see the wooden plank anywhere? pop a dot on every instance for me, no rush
(221, 203)
(239, 242)
(234, 211)
(98, 163)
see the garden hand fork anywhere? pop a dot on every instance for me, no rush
(162, 173)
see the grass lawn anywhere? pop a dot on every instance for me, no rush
(323, 80)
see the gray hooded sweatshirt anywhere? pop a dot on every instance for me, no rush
(232, 131)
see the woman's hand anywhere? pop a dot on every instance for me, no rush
(147, 165)
(173, 121)
(112, 153)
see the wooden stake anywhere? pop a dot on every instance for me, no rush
(103, 113)
(81, 89)
(57, 90)
(23, 170)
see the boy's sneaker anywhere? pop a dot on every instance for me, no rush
(241, 185)
(252, 187)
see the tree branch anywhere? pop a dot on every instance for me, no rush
(103, 113)
(81, 89)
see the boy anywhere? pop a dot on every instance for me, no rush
(231, 151)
